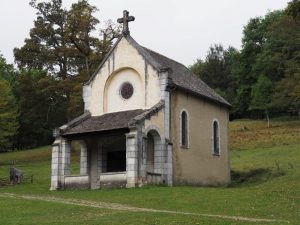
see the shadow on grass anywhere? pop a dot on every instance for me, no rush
(254, 176)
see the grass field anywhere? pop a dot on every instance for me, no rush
(266, 184)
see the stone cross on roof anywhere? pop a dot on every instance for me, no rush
(125, 20)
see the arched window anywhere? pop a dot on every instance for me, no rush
(216, 138)
(184, 129)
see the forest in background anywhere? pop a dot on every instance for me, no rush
(64, 49)
(263, 77)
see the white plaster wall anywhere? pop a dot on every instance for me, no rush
(125, 63)
(113, 100)
(153, 89)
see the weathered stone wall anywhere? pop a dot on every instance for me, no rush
(197, 164)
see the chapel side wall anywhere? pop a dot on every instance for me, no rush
(156, 121)
(196, 164)
(124, 56)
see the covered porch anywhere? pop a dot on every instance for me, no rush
(113, 153)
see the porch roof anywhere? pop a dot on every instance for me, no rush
(110, 121)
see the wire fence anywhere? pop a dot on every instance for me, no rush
(15, 176)
(8, 182)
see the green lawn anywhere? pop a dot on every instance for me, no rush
(266, 184)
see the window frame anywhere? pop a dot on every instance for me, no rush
(187, 145)
(213, 138)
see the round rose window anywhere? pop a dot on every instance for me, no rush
(126, 90)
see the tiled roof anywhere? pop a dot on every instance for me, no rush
(183, 78)
(109, 121)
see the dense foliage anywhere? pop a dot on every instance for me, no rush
(264, 76)
(8, 115)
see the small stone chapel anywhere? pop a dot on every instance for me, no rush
(147, 120)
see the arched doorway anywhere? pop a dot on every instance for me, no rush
(150, 154)
(154, 157)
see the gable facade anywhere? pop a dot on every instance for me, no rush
(124, 64)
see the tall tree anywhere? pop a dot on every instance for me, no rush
(258, 59)
(42, 108)
(8, 73)
(285, 34)
(8, 116)
(80, 26)
(216, 70)
(260, 96)
(47, 47)
(253, 38)
(62, 43)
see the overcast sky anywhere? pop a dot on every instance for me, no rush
(180, 29)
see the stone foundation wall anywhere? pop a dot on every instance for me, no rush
(113, 180)
(77, 182)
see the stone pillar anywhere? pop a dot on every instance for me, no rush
(83, 158)
(167, 147)
(169, 164)
(143, 161)
(60, 166)
(56, 158)
(65, 146)
(94, 162)
(131, 159)
(165, 95)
